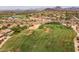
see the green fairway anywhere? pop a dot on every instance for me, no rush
(49, 37)
(20, 16)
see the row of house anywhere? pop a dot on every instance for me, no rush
(4, 34)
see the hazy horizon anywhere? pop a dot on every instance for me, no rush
(29, 7)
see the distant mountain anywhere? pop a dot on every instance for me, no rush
(39, 9)
(60, 8)
(73, 8)
(17, 11)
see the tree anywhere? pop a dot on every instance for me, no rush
(18, 29)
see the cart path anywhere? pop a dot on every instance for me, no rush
(76, 44)
(36, 26)
(4, 41)
(30, 29)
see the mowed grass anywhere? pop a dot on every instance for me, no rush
(57, 38)
(20, 16)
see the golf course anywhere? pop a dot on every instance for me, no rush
(52, 37)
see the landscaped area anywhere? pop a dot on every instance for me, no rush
(48, 37)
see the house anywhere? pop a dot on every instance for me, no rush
(1, 35)
(4, 34)
(77, 28)
(3, 38)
